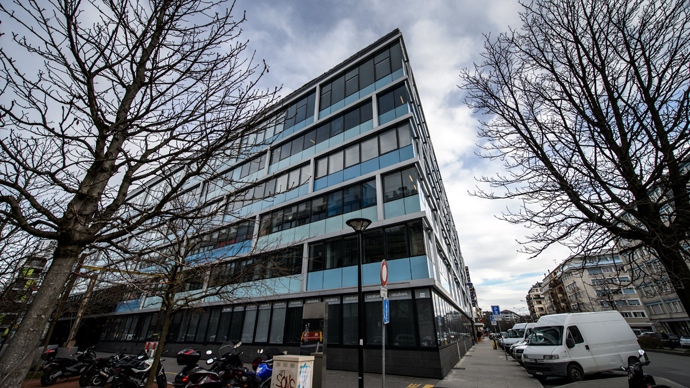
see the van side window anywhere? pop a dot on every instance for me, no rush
(574, 333)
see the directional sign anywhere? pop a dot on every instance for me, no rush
(386, 312)
(384, 273)
(495, 310)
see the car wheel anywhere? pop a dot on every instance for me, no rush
(575, 373)
(48, 378)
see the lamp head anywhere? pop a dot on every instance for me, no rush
(358, 224)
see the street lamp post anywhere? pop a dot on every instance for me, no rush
(359, 225)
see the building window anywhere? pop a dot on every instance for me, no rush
(390, 243)
(322, 133)
(338, 202)
(359, 77)
(389, 141)
(400, 184)
(299, 111)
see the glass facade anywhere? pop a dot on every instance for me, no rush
(353, 143)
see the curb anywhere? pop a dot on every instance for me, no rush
(684, 353)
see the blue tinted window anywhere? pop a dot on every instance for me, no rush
(352, 199)
(335, 203)
(337, 126)
(369, 193)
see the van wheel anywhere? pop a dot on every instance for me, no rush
(575, 373)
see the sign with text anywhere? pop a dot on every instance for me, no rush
(495, 310)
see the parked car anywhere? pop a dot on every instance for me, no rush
(666, 340)
(685, 341)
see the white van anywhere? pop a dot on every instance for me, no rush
(517, 348)
(573, 345)
(513, 335)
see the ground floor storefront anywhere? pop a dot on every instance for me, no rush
(426, 335)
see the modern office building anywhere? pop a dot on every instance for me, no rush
(351, 143)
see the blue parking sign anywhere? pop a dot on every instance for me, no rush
(495, 310)
(386, 312)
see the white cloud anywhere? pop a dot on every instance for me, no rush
(301, 40)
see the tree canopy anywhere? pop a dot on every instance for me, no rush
(101, 98)
(587, 106)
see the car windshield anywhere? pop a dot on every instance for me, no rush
(546, 336)
(513, 334)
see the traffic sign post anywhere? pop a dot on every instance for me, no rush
(385, 320)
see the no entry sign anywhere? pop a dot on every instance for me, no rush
(384, 273)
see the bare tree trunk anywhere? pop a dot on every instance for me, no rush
(159, 349)
(19, 354)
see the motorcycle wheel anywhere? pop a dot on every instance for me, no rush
(96, 380)
(84, 379)
(48, 378)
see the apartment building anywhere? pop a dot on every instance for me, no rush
(595, 283)
(536, 302)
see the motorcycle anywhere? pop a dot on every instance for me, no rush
(263, 371)
(97, 373)
(219, 372)
(188, 358)
(133, 373)
(636, 376)
(65, 367)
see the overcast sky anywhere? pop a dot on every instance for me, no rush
(300, 40)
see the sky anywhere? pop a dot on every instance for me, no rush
(301, 40)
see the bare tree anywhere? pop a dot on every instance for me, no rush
(126, 92)
(587, 107)
(190, 261)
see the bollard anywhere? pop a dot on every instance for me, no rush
(494, 344)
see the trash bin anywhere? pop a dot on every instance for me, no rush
(292, 371)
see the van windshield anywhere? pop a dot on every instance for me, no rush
(546, 336)
(513, 334)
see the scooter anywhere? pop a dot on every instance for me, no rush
(65, 367)
(636, 376)
(188, 358)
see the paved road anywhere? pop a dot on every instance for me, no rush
(673, 367)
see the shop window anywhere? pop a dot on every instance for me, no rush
(350, 323)
(249, 323)
(293, 325)
(278, 323)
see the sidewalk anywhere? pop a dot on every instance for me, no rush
(484, 367)
(481, 367)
